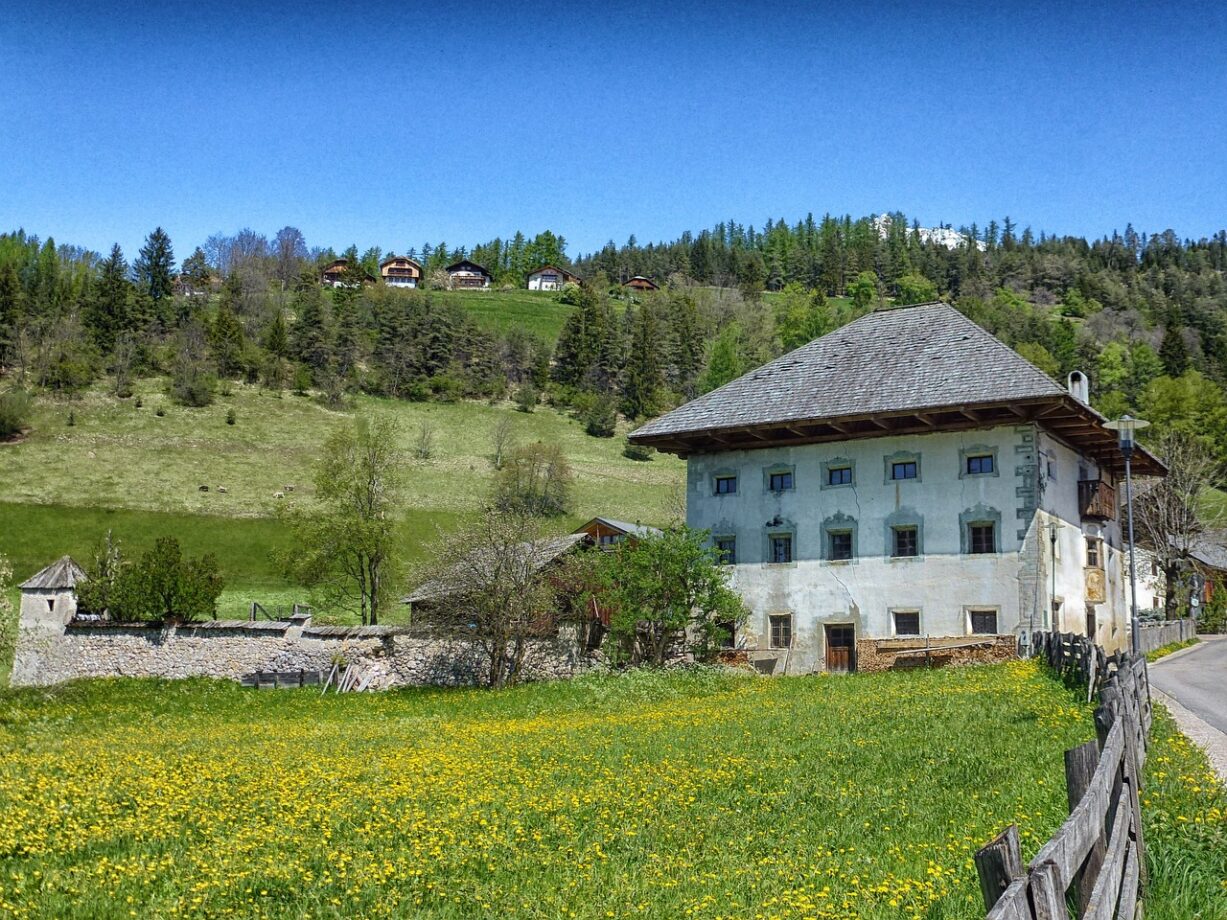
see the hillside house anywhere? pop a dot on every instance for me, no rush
(640, 283)
(907, 480)
(400, 271)
(608, 533)
(336, 273)
(466, 274)
(550, 278)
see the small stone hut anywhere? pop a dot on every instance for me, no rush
(49, 599)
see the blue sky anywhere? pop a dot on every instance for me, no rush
(393, 124)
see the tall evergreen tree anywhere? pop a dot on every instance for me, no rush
(108, 313)
(643, 380)
(1173, 352)
(155, 265)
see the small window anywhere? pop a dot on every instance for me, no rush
(781, 548)
(51, 605)
(781, 631)
(728, 633)
(780, 482)
(904, 470)
(839, 476)
(907, 622)
(1094, 552)
(841, 544)
(983, 538)
(979, 464)
(726, 550)
(984, 622)
(904, 542)
(612, 539)
(726, 485)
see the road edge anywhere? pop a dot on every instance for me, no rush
(1212, 741)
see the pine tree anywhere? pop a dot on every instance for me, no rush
(12, 300)
(109, 311)
(155, 265)
(726, 361)
(1173, 352)
(643, 381)
(226, 341)
(276, 339)
(311, 336)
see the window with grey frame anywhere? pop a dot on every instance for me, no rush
(983, 622)
(725, 485)
(780, 548)
(905, 541)
(780, 481)
(906, 622)
(839, 545)
(726, 550)
(780, 630)
(981, 538)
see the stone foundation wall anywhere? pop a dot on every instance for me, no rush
(883, 654)
(394, 657)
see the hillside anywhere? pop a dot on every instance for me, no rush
(124, 467)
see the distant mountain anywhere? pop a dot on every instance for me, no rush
(942, 236)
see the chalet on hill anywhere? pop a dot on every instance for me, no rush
(550, 278)
(400, 271)
(468, 274)
(907, 482)
(188, 287)
(336, 273)
(640, 283)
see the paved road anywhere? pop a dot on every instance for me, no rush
(1197, 679)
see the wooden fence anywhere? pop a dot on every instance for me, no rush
(1095, 864)
(1156, 635)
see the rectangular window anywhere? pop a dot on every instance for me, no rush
(839, 476)
(905, 542)
(780, 482)
(781, 631)
(726, 485)
(726, 550)
(1094, 552)
(612, 539)
(979, 464)
(728, 634)
(781, 548)
(904, 470)
(982, 538)
(984, 622)
(907, 622)
(840, 544)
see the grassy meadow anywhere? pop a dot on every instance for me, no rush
(537, 312)
(125, 468)
(650, 794)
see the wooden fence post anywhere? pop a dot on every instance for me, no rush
(998, 863)
(1080, 764)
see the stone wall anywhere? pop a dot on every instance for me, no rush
(884, 654)
(49, 653)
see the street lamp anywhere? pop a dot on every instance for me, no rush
(1054, 530)
(1125, 426)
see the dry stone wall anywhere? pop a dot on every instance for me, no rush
(49, 653)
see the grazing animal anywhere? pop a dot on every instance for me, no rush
(204, 488)
(278, 495)
(221, 489)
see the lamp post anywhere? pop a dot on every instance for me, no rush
(1053, 532)
(1125, 426)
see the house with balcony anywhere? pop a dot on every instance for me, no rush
(401, 271)
(468, 274)
(903, 490)
(550, 278)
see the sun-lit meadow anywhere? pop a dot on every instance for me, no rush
(681, 795)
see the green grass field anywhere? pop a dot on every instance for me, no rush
(661, 795)
(684, 794)
(537, 312)
(127, 469)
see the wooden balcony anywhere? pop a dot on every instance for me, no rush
(1096, 500)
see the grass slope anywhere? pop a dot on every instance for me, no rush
(660, 795)
(537, 312)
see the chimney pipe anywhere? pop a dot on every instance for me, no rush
(1079, 387)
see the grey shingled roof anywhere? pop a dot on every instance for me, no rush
(639, 530)
(63, 573)
(896, 360)
(539, 554)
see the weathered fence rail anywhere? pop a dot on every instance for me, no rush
(1094, 866)
(1156, 635)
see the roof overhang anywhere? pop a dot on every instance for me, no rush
(1069, 420)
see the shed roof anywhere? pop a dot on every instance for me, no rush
(539, 553)
(639, 530)
(63, 573)
(553, 268)
(907, 370)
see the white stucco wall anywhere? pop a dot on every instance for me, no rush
(944, 581)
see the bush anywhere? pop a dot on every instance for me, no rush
(526, 397)
(161, 585)
(14, 412)
(231, 418)
(640, 452)
(601, 420)
(535, 479)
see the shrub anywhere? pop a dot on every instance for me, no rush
(302, 380)
(231, 417)
(159, 412)
(640, 452)
(160, 585)
(526, 397)
(601, 420)
(535, 479)
(72, 418)
(191, 384)
(14, 412)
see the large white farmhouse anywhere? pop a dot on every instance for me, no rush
(907, 481)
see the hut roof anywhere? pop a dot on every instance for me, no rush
(538, 554)
(63, 573)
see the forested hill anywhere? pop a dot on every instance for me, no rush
(1144, 315)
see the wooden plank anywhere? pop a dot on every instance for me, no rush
(1047, 891)
(1106, 893)
(1014, 903)
(1080, 764)
(999, 864)
(1130, 889)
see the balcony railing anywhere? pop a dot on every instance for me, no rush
(1096, 500)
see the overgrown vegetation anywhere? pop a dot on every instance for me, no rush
(161, 585)
(14, 412)
(1164, 650)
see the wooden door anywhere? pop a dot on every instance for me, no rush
(841, 648)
